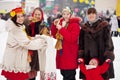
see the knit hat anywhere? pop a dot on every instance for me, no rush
(15, 11)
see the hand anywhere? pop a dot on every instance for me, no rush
(56, 21)
(80, 60)
(58, 26)
(64, 23)
(108, 60)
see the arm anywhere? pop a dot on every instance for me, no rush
(82, 65)
(109, 48)
(53, 30)
(105, 66)
(22, 40)
(81, 44)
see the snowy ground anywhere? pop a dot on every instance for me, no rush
(116, 41)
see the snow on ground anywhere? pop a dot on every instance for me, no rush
(116, 41)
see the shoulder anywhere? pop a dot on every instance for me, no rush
(75, 20)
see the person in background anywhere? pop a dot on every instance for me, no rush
(15, 63)
(114, 26)
(93, 71)
(95, 41)
(32, 30)
(66, 31)
(118, 18)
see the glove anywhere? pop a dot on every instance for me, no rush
(80, 60)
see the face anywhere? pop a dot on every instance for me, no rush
(92, 17)
(20, 18)
(37, 15)
(66, 15)
(93, 62)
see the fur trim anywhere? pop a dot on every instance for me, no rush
(75, 20)
(101, 24)
(109, 55)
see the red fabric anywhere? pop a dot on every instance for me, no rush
(30, 52)
(68, 58)
(32, 25)
(15, 76)
(18, 10)
(94, 74)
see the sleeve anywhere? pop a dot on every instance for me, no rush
(81, 44)
(71, 36)
(83, 68)
(104, 67)
(53, 30)
(23, 41)
(109, 48)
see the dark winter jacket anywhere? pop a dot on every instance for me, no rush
(95, 41)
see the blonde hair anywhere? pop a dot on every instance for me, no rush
(66, 9)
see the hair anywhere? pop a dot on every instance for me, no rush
(38, 8)
(14, 19)
(68, 9)
(91, 10)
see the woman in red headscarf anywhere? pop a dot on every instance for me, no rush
(32, 30)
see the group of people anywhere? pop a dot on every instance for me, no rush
(70, 45)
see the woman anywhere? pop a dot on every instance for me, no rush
(95, 41)
(34, 29)
(66, 31)
(15, 65)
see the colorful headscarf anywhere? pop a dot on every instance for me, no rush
(16, 11)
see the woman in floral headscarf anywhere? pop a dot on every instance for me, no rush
(15, 64)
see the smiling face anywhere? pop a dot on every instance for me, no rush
(20, 18)
(66, 15)
(93, 62)
(92, 17)
(37, 15)
(91, 14)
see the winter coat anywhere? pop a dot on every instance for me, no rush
(95, 73)
(16, 51)
(67, 57)
(95, 41)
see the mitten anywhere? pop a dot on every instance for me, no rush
(108, 61)
(80, 60)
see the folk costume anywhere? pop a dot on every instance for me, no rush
(15, 65)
